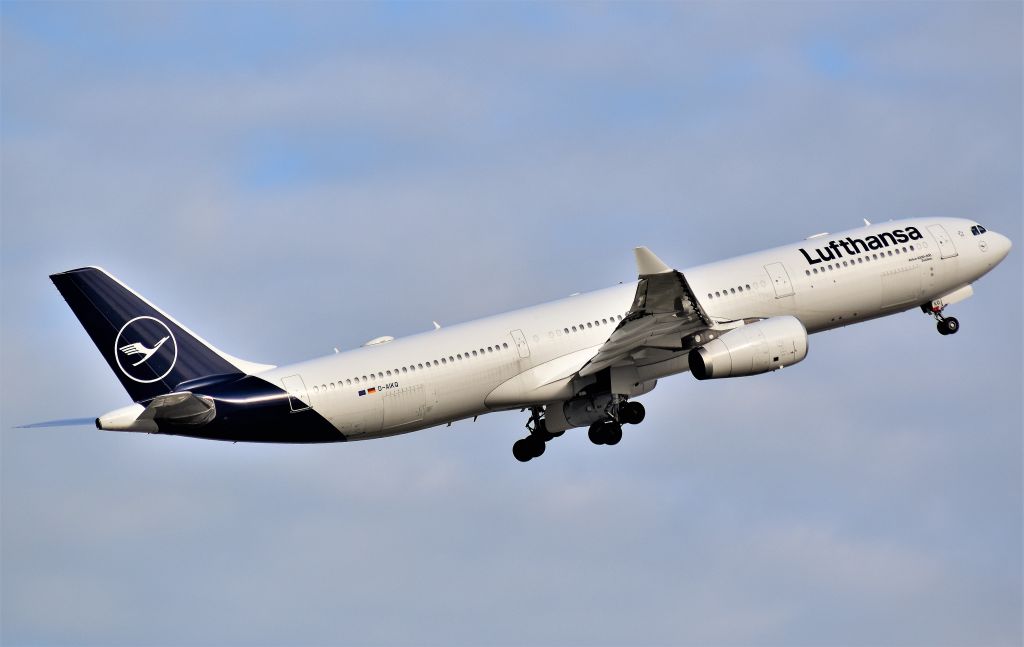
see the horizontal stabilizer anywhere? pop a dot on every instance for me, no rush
(182, 409)
(67, 422)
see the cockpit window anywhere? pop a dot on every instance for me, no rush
(977, 230)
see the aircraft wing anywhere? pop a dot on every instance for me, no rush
(664, 309)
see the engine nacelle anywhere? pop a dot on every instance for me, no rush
(756, 348)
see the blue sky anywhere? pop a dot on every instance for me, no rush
(287, 178)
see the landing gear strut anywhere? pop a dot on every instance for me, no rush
(945, 325)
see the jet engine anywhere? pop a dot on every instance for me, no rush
(755, 348)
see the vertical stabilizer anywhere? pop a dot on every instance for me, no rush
(147, 349)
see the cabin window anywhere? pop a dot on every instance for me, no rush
(717, 293)
(504, 345)
(748, 286)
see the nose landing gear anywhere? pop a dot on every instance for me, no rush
(945, 325)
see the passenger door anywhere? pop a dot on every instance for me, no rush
(946, 247)
(296, 388)
(780, 279)
(520, 339)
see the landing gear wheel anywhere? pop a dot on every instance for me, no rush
(612, 433)
(536, 446)
(596, 433)
(941, 327)
(522, 450)
(632, 413)
(952, 325)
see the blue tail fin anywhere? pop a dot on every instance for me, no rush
(148, 350)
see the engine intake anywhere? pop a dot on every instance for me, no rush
(756, 348)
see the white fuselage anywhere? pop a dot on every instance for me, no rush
(521, 358)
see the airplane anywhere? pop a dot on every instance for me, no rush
(577, 362)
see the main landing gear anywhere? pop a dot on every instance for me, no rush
(533, 445)
(607, 431)
(945, 325)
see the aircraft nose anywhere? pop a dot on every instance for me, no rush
(1001, 245)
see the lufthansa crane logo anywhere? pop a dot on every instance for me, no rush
(145, 350)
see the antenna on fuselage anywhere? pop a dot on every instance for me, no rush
(867, 223)
(437, 326)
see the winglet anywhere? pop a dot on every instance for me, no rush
(648, 263)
